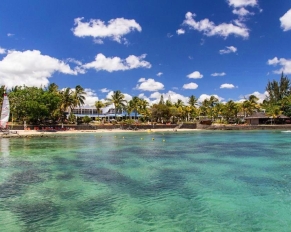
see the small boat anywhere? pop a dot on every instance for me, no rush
(287, 131)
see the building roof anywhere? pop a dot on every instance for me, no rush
(283, 116)
(257, 115)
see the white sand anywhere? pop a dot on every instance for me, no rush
(34, 132)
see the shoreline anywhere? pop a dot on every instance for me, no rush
(34, 133)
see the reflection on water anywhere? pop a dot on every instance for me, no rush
(4, 148)
(202, 181)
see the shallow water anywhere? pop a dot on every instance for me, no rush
(200, 181)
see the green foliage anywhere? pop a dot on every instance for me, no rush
(87, 119)
(37, 105)
(72, 118)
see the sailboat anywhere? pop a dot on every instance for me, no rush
(5, 111)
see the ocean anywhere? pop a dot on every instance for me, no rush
(184, 181)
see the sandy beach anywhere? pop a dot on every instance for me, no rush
(24, 133)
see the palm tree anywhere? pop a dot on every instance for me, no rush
(129, 107)
(135, 104)
(78, 96)
(193, 101)
(117, 99)
(142, 107)
(273, 111)
(99, 105)
(67, 100)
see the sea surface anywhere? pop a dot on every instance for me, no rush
(197, 181)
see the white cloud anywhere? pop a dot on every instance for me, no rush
(30, 68)
(159, 74)
(206, 96)
(112, 64)
(242, 12)
(143, 96)
(260, 96)
(227, 86)
(173, 95)
(195, 75)
(105, 90)
(242, 3)
(127, 97)
(210, 29)
(114, 29)
(10, 34)
(98, 41)
(286, 65)
(228, 50)
(74, 61)
(190, 86)
(169, 35)
(91, 97)
(2, 50)
(286, 21)
(218, 74)
(149, 85)
(180, 31)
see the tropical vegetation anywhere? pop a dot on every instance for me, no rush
(38, 105)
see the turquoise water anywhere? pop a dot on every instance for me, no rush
(198, 181)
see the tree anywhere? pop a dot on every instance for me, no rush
(117, 99)
(162, 102)
(135, 104)
(193, 101)
(99, 105)
(278, 90)
(78, 96)
(129, 107)
(87, 119)
(273, 111)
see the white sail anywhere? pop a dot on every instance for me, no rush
(5, 112)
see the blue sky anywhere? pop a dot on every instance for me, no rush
(227, 48)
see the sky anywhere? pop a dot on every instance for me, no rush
(146, 48)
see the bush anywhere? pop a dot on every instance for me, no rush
(87, 119)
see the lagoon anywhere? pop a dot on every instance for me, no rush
(185, 181)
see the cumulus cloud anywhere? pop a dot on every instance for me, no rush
(227, 86)
(286, 21)
(30, 68)
(218, 74)
(173, 95)
(159, 74)
(149, 85)
(242, 3)
(105, 90)
(260, 96)
(227, 50)
(190, 85)
(206, 96)
(195, 75)
(286, 65)
(115, 29)
(143, 96)
(210, 29)
(242, 12)
(72, 60)
(111, 64)
(91, 97)
(98, 41)
(180, 31)
(2, 50)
